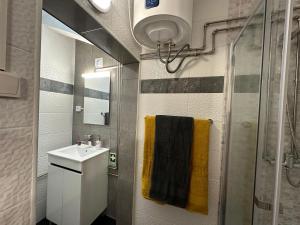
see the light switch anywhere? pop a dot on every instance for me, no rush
(78, 108)
(98, 63)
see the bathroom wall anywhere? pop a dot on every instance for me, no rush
(160, 93)
(18, 116)
(56, 104)
(127, 142)
(116, 21)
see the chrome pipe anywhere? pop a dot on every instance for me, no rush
(192, 52)
(222, 21)
(200, 50)
(282, 107)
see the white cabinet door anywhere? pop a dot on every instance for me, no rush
(55, 194)
(71, 198)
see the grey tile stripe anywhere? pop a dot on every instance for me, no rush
(64, 88)
(212, 84)
(96, 94)
(56, 86)
(247, 84)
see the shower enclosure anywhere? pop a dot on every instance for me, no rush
(261, 166)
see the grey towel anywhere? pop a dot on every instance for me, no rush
(172, 156)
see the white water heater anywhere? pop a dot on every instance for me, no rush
(162, 21)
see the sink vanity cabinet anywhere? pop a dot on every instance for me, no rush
(77, 185)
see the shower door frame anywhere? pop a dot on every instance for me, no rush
(229, 86)
(282, 107)
(263, 107)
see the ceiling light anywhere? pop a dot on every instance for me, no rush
(101, 5)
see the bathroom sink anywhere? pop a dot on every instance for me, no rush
(73, 157)
(77, 184)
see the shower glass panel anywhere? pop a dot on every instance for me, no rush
(247, 54)
(267, 153)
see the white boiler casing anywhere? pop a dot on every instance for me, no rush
(163, 21)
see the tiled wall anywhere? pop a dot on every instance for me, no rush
(197, 102)
(56, 104)
(17, 116)
(127, 141)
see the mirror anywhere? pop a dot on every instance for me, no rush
(87, 115)
(96, 97)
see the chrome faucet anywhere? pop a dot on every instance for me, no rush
(89, 139)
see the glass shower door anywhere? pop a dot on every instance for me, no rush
(258, 132)
(277, 199)
(243, 117)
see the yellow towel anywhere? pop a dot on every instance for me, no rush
(148, 155)
(198, 196)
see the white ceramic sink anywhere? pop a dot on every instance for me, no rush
(74, 156)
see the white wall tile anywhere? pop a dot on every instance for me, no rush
(214, 170)
(54, 66)
(48, 142)
(51, 123)
(210, 9)
(211, 65)
(51, 102)
(216, 132)
(209, 106)
(154, 69)
(164, 104)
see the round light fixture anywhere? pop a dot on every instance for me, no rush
(101, 5)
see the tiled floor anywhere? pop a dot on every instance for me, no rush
(101, 220)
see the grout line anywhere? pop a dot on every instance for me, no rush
(11, 128)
